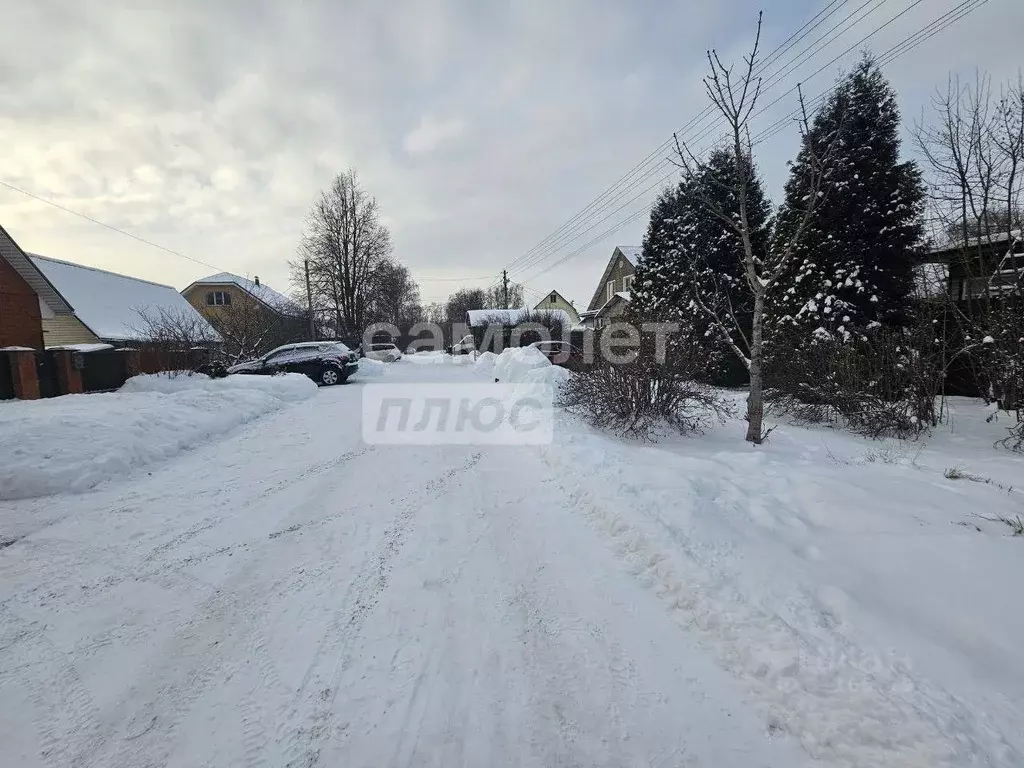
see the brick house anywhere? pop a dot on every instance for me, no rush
(612, 294)
(27, 298)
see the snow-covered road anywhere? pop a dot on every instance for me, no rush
(289, 596)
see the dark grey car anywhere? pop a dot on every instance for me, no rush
(325, 362)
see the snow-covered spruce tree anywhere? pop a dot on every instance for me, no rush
(690, 253)
(734, 95)
(852, 270)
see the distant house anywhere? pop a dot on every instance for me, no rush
(221, 292)
(612, 294)
(109, 308)
(27, 298)
(251, 317)
(555, 300)
(989, 266)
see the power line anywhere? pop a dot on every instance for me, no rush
(525, 261)
(904, 46)
(453, 279)
(109, 226)
(564, 236)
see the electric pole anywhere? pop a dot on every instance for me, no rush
(309, 304)
(504, 280)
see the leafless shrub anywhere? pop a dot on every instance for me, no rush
(642, 398)
(883, 385)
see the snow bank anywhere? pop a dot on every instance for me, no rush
(513, 364)
(72, 443)
(485, 362)
(370, 369)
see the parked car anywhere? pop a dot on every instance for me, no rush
(463, 347)
(325, 362)
(559, 352)
(386, 353)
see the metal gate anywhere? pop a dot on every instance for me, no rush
(6, 380)
(104, 371)
(46, 371)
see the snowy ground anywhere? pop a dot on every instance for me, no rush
(288, 596)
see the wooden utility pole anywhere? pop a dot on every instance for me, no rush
(504, 280)
(309, 304)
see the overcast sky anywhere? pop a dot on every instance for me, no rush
(480, 126)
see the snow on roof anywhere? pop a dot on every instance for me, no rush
(993, 238)
(264, 293)
(83, 347)
(478, 317)
(109, 304)
(631, 252)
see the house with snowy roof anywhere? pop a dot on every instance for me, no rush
(555, 300)
(220, 292)
(251, 317)
(108, 308)
(612, 294)
(988, 266)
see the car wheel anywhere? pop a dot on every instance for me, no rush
(330, 376)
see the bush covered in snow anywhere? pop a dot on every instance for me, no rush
(640, 398)
(885, 385)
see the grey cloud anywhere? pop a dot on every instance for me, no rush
(480, 127)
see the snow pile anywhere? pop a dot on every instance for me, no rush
(485, 362)
(72, 443)
(526, 367)
(429, 358)
(513, 364)
(370, 369)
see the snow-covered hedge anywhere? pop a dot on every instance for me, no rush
(71, 443)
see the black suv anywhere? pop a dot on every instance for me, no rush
(325, 362)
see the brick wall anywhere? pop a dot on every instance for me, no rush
(20, 321)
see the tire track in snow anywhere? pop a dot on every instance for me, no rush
(65, 716)
(309, 724)
(834, 703)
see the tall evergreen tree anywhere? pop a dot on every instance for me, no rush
(689, 251)
(853, 269)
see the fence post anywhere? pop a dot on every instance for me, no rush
(23, 373)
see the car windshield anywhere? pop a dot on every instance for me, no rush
(380, 347)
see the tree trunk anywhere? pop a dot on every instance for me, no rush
(755, 399)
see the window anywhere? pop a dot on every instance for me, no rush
(627, 282)
(552, 299)
(610, 290)
(218, 299)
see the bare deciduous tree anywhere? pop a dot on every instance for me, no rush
(345, 243)
(735, 96)
(974, 147)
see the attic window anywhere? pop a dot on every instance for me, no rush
(610, 288)
(218, 299)
(552, 299)
(627, 282)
